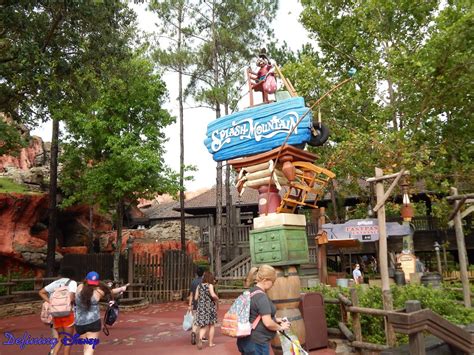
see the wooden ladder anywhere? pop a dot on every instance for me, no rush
(309, 184)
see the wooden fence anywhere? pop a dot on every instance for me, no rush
(412, 321)
(162, 278)
(102, 263)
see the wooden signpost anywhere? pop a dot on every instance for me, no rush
(408, 264)
(459, 200)
(383, 259)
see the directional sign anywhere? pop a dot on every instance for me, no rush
(365, 230)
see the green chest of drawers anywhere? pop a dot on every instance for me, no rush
(281, 245)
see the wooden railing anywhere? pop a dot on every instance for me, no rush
(12, 295)
(239, 267)
(412, 321)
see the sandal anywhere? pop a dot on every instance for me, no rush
(199, 344)
(193, 338)
(212, 345)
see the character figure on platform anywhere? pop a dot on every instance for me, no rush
(264, 78)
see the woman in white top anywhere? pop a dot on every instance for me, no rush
(66, 323)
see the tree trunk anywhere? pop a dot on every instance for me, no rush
(334, 202)
(218, 241)
(228, 206)
(53, 190)
(181, 140)
(90, 244)
(118, 244)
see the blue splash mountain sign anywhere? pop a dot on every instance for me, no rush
(258, 129)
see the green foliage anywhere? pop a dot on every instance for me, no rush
(231, 33)
(45, 48)
(114, 151)
(409, 104)
(443, 302)
(8, 185)
(21, 273)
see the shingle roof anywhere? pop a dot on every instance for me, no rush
(208, 198)
(163, 210)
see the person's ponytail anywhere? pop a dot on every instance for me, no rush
(249, 282)
(257, 274)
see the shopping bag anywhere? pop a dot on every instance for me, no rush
(290, 344)
(188, 321)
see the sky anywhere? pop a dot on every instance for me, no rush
(197, 119)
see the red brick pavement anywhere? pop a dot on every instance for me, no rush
(155, 330)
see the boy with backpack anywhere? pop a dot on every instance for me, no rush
(60, 295)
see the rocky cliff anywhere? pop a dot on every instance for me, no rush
(24, 229)
(30, 166)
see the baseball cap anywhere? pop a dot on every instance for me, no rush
(92, 278)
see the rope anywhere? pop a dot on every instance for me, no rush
(293, 128)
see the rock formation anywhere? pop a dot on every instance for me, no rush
(156, 240)
(30, 167)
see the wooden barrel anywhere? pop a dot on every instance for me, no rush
(285, 294)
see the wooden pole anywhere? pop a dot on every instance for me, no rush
(383, 260)
(461, 246)
(356, 326)
(322, 248)
(249, 82)
(417, 340)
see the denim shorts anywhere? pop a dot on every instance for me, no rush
(247, 347)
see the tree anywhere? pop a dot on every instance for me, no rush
(114, 152)
(47, 46)
(400, 111)
(177, 58)
(230, 32)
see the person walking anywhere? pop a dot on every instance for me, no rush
(206, 313)
(357, 275)
(88, 295)
(419, 266)
(63, 324)
(258, 342)
(192, 304)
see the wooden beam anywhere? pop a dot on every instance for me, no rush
(389, 191)
(456, 208)
(386, 177)
(383, 259)
(464, 213)
(417, 340)
(459, 197)
(461, 245)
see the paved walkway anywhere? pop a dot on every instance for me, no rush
(154, 330)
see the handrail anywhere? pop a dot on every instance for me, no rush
(412, 321)
(427, 320)
(234, 262)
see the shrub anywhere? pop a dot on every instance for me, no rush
(443, 302)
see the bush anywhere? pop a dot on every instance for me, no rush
(442, 302)
(20, 274)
